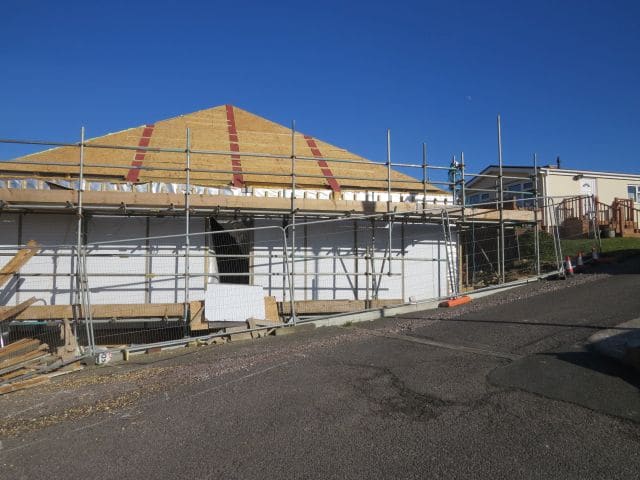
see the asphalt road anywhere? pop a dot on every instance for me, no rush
(501, 388)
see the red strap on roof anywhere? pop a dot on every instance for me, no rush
(134, 174)
(326, 171)
(234, 146)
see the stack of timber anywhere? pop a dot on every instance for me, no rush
(25, 364)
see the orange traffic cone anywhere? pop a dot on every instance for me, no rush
(568, 266)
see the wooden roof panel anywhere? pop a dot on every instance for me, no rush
(211, 130)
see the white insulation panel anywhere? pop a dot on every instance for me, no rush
(233, 303)
(326, 270)
(151, 270)
(167, 263)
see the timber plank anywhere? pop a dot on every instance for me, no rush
(23, 344)
(13, 311)
(336, 306)
(107, 311)
(40, 352)
(165, 200)
(23, 384)
(14, 265)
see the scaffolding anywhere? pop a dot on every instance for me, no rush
(377, 220)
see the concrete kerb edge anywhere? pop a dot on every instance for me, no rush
(621, 343)
(335, 320)
(385, 312)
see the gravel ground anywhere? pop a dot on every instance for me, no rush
(355, 404)
(103, 389)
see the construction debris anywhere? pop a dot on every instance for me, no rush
(27, 363)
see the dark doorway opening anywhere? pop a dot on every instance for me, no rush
(233, 249)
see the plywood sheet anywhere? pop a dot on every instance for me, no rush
(209, 131)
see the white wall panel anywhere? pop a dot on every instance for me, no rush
(54, 263)
(268, 251)
(8, 242)
(425, 275)
(326, 246)
(168, 289)
(122, 277)
(234, 303)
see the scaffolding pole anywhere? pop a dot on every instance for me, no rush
(425, 176)
(536, 230)
(389, 218)
(187, 216)
(501, 248)
(463, 197)
(79, 215)
(292, 278)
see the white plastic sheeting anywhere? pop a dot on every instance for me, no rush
(163, 187)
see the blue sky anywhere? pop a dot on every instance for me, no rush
(565, 76)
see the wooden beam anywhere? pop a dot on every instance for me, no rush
(164, 201)
(307, 307)
(110, 311)
(26, 344)
(14, 265)
(23, 384)
(11, 312)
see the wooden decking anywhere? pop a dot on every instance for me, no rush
(621, 217)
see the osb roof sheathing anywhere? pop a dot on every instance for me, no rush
(210, 130)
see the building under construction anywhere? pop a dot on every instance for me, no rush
(222, 215)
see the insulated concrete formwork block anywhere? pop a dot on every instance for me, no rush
(327, 271)
(47, 275)
(425, 262)
(8, 248)
(116, 271)
(388, 268)
(268, 263)
(167, 261)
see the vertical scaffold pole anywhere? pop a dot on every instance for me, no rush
(292, 273)
(425, 177)
(501, 248)
(389, 222)
(187, 216)
(536, 231)
(79, 215)
(463, 197)
(80, 274)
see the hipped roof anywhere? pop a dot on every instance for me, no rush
(224, 128)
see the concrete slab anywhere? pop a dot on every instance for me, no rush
(621, 342)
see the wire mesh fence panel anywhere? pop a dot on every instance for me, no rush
(581, 221)
(482, 254)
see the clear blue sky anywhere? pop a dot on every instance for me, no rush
(564, 75)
